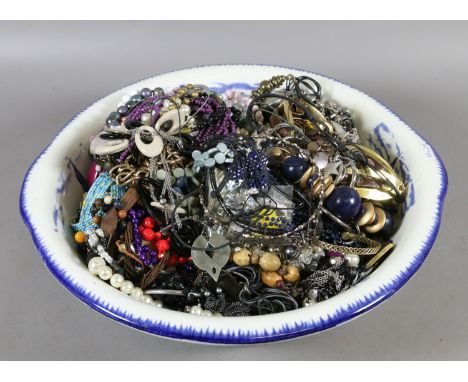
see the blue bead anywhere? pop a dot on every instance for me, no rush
(387, 229)
(122, 110)
(344, 202)
(293, 168)
(146, 92)
(112, 123)
(268, 144)
(311, 180)
(182, 182)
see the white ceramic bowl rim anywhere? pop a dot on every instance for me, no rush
(238, 330)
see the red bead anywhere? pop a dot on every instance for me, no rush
(162, 245)
(141, 227)
(190, 258)
(182, 260)
(148, 234)
(149, 222)
(157, 235)
(172, 261)
(160, 256)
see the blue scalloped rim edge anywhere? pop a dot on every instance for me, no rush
(296, 329)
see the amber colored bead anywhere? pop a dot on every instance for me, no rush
(122, 214)
(96, 219)
(242, 257)
(292, 274)
(272, 279)
(80, 237)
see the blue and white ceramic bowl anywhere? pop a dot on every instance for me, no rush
(51, 194)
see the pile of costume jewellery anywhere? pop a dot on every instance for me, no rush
(235, 204)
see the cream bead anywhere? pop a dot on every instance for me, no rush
(352, 260)
(242, 257)
(117, 280)
(206, 313)
(147, 299)
(270, 262)
(127, 287)
(158, 303)
(95, 264)
(146, 118)
(105, 272)
(136, 293)
(217, 314)
(185, 109)
(308, 302)
(196, 310)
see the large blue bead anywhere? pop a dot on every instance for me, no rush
(344, 202)
(293, 168)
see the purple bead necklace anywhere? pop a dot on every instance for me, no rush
(147, 256)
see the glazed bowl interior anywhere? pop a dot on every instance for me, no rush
(51, 195)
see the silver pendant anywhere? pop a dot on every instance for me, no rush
(211, 264)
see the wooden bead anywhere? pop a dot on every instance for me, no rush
(122, 214)
(292, 274)
(271, 279)
(96, 219)
(270, 262)
(242, 257)
(80, 237)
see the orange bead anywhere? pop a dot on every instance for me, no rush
(122, 214)
(80, 237)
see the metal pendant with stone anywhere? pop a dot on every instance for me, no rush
(211, 261)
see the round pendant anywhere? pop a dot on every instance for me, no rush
(152, 149)
(171, 121)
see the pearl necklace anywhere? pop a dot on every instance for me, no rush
(97, 266)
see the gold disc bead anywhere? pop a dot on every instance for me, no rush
(328, 187)
(379, 221)
(367, 215)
